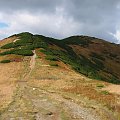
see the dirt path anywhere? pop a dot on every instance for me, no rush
(31, 103)
(32, 61)
(16, 40)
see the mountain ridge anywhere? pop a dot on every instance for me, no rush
(87, 55)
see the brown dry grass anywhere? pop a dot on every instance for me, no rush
(9, 74)
(7, 40)
(66, 80)
(113, 89)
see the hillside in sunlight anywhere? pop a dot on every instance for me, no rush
(90, 56)
(43, 78)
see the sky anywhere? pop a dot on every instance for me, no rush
(61, 18)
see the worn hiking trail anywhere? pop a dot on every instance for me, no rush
(30, 103)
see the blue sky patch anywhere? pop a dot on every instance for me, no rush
(3, 25)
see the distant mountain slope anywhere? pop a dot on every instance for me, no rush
(93, 57)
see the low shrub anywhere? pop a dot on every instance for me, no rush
(51, 58)
(77, 40)
(47, 52)
(23, 52)
(7, 46)
(54, 64)
(100, 85)
(5, 61)
(6, 52)
(114, 80)
(105, 92)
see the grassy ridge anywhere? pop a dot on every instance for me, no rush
(90, 67)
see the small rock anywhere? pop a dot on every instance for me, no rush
(34, 88)
(50, 113)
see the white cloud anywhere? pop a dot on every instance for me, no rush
(117, 36)
(61, 18)
(57, 24)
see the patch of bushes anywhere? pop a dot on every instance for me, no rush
(100, 85)
(54, 64)
(39, 42)
(23, 52)
(5, 61)
(6, 52)
(87, 71)
(7, 46)
(51, 58)
(114, 80)
(28, 47)
(25, 37)
(15, 44)
(77, 40)
(27, 41)
(80, 64)
(105, 92)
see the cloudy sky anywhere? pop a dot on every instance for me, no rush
(61, 18)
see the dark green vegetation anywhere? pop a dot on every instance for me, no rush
(54, 64)
(51, 58)
(24, 52)
(5, 61)
(69, 51)
(75, 40)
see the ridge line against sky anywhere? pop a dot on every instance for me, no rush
(61, 18)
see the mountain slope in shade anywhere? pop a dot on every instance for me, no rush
(45, 78)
